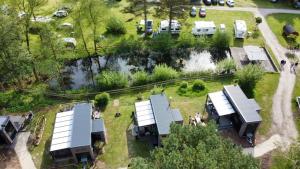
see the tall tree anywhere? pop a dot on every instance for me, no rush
(139, 7)
(196, 147)
(14, 59)
(173, 9)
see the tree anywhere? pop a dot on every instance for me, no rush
(101, 100)
(196, 147)
(173, 9)
(248, 77)
(226, 66)
(220, 43)
(14, 59)
(138, 7)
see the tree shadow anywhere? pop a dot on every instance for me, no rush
(46, 158)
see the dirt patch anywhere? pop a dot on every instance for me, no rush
(266, 161)
(9, 159)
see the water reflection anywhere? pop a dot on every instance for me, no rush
(199, 61)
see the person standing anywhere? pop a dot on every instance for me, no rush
(292, 67)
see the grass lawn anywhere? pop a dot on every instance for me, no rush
(121, 145)
(276, 23)
(294, 104)
(264, 91)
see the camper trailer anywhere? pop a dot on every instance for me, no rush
(240, 29)
(164, 27)
(204, 28)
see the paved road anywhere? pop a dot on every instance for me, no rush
(283, 127)
(22, 151)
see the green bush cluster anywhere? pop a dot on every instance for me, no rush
(198, 85)
(101, 100)
(140, 78)
(198, 88)
(108, 80)
(163, 72)
(115, 26)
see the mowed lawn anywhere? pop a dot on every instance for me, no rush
(122, 146)
(277, 21)
(295, 107)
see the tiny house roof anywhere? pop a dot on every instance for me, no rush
(205, 24)
(240, 25)
(73, 128)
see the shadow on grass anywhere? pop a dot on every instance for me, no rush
(137, 148)
(238, 42)
(46, 158)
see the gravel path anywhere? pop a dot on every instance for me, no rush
(283, 127)
(22, 151)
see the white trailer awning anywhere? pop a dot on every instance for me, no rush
(221, 103)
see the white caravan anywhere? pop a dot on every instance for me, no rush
(204, 28)
(240, 29)
(164, 27)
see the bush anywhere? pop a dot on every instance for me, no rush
(248, 77)
(101, 100)
(255, 34)
(258, 20)
(221, 40)
(198, 86)
(140, 78)
(115, 26)
(226, 66)
(108, 80)
(183, 85)
(163, 72)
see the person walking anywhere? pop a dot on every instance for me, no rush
(282, 63)
(292, 67)
(295, 66)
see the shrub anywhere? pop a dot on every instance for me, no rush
(186, 40)
(255, 34)
(248, 77)
(183, 85)
(163, 72)
(140, 78)
(226, 66)
(156, 90)
(221, 40)
(258, 20)
(115, 26)
(108, 80)
(101, 100)
(198, 86)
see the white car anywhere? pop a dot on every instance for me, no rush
(230, 3)
(60, 13)
(193, 11)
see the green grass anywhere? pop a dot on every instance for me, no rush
(263, 94)
(121, 146)
(276, 23)
(294, 104)
(263, 4)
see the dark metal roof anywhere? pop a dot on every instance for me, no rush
(162, 113)
(245, 107)
(82, 125)
(177, 115)
(98, 126)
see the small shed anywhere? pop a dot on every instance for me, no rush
(288, 30)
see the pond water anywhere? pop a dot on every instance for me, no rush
(77, 74)
(199, 61)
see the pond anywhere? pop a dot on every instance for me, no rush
(78, 74)
(199, 61)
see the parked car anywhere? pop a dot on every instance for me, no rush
(296, 4)
(193, 11)
(60, 13)
(207, 2)
(214, 2)
(221, 2)
(202, 11)
(230, 3)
